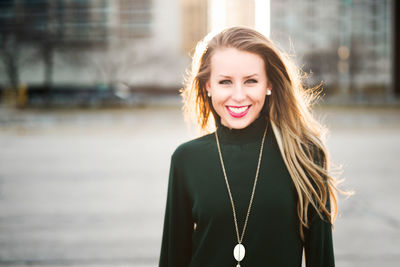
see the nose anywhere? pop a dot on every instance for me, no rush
(238, 93)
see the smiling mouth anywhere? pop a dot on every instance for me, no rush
(238, 111)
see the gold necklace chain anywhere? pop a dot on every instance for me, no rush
(240, 238)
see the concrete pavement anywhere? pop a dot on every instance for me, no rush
(88, 188)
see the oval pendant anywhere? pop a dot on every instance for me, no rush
(239, 252)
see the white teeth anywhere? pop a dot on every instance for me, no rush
(238, 110)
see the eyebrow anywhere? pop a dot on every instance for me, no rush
(252, 75)
(246, 77)
(224, 76)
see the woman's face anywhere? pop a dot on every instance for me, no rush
(237, 85)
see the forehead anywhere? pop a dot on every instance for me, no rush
(230, 61)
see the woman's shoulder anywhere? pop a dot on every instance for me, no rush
(197, 146)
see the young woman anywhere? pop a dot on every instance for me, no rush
(256, 191)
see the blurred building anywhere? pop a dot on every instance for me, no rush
(202, 16)
(94, 41)
(345, 43)
(96, 21)
(240, 12)
(195, 23)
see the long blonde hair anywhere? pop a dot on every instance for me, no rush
(288, 108)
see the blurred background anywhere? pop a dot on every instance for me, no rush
(90, 113)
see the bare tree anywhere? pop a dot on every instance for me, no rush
(12, 34)
(45, 33)
(24, 24)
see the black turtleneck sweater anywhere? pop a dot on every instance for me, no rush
(199, 228)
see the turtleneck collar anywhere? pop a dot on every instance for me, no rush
(251, 133)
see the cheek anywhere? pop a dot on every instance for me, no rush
(220, 96)
(217, 102)
(258, 96)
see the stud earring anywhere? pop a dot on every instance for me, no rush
(268, 92)
(209, 94)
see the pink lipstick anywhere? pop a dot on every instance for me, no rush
(238, 111)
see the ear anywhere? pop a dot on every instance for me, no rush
(269, 86)
(208, 86)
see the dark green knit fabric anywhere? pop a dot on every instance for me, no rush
(197, 194)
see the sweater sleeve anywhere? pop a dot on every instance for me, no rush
(176, 247)
(318, 243)
(318, 238)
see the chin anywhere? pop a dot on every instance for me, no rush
(238, 124)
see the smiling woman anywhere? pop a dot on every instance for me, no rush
(256, 191)
(238, 85)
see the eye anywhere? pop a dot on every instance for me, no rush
(225, 82)
(251, 81)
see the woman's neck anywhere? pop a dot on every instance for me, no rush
(253, 132)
